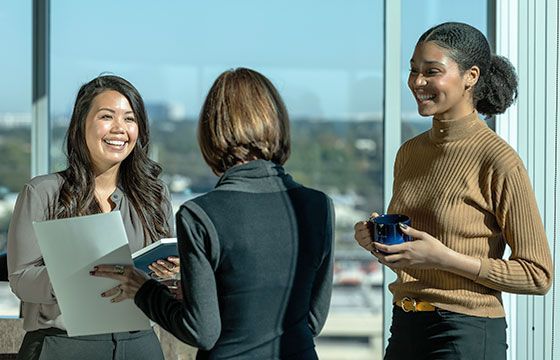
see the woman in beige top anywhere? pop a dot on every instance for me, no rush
(468, 196)
(108, 170)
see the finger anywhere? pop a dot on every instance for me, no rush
(394, 260)
(363, 238)
(109, 275)
(390, 249)
(175, 260)
(379, 256)
(373, 215)
(410, 231)
(364, 241)
(160, 273)
(169, 266)
(105, 270)
(112, 291)
(122, 295)
(160, 268)
(360, 226)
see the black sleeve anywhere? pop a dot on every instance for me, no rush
(195, 320)
(322, 288)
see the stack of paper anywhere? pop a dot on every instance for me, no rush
(71, 248)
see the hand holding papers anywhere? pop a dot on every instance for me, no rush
(71, 248)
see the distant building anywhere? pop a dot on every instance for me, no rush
(14, 120)
(158, 112)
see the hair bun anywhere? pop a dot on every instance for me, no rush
(499, 90)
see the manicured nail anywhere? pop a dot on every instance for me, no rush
(403, 225)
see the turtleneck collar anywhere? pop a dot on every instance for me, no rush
(455, 129)
(256, 176)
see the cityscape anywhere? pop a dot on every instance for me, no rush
(341, 157)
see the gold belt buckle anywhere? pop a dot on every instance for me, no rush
(404, 304)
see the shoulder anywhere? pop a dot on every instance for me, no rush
(45, 184)
(415, 143)
(497, 154)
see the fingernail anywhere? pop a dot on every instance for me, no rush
(92, 272)
(403, 225)
(103, 295)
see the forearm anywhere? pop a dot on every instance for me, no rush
(519, 276)
(159, 304)
(459, 264)
(514, 275)
(32, 285)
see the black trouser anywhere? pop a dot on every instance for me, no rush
(54, 344)
(443, 334)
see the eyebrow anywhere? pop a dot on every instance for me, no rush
(430, 62)
(113, 111)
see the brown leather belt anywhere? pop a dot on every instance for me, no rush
(413, 305)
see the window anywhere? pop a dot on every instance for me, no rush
(432, 12)
(326, 58)
(15, 123)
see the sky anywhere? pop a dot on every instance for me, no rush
(325, 56)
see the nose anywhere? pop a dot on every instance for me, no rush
(419, 80)
(118, 124)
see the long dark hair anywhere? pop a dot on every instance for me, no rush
(496, 88)
(138, 174)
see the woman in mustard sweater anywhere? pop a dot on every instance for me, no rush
(468, 195)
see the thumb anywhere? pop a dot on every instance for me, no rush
(174, 260)
(373, 215)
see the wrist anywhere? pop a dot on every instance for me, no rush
(444, 258)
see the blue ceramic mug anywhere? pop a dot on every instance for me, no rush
(386, 229)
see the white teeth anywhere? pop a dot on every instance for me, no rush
(115, 142)
(424, 97)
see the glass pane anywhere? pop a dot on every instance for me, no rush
(326, 58)
(15, 122)
(434, 12)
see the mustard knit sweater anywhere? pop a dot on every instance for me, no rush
(468, 188)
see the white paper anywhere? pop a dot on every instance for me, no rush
(71, 248)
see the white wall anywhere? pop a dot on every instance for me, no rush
(528, 34)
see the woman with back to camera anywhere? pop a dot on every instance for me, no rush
(256, 252)
(108, 170)
(468, 195)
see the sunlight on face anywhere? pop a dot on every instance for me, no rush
(439, 87)
(111, 130)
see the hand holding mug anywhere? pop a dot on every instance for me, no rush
(424, 252)
(363, 233)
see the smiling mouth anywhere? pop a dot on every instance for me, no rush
(425, 97)
(117, 143)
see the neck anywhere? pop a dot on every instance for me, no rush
(458, 112)
(106, 179)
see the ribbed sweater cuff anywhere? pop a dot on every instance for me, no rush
(484, 270)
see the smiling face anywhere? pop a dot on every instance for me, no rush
(440, 88)
(111, 130)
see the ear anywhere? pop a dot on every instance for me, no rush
(471, 77)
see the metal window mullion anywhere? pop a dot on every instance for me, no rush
(391, 127)
(40, 124)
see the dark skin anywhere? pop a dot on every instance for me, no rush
(443, 91)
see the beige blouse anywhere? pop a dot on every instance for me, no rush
(28, 275)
